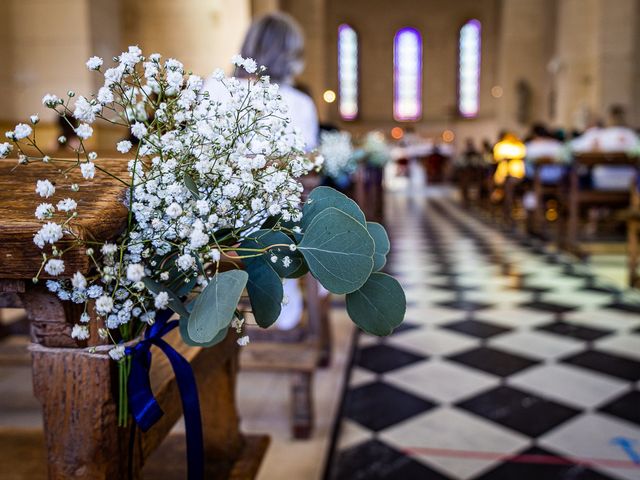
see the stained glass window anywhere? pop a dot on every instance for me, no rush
(407, 74)
(348, 72)
(469, 69)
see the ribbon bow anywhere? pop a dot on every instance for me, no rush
(145, 408)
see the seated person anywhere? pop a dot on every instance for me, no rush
(543, 145)
(616, 138)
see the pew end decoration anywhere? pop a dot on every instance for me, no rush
(340, 157)
(212, 188)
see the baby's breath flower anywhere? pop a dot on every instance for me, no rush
(94, 63)
(80, 332)
(54, 267)
(88, 170)
(124, 146)
(45, 188)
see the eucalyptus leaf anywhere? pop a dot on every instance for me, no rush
(265, 293)
(215, 307)
(381, 239)
(338, 250)
(322, 198)
(378, 306)
(175, 303)
(184, 325)
(191, 186)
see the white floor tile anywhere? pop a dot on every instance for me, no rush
(434, 342)
(448, 429)
(441, 380)
(516, 317)
(570, 385)
(537, 344)
(627, 344)
(590, 437)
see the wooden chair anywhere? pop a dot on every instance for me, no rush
(78, 388)
(297, 352)
(578, 199)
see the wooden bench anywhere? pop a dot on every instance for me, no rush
(77, 388)
(578, 199)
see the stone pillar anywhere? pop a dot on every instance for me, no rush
(525, 48)
(597, 57)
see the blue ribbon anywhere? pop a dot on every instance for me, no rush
(145, 408)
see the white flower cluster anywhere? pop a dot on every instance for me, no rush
(338, 154)
(205, 172)
(377, 149)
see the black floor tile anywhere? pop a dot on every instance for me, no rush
(624, 307)
(379, 405)
(464, 305)
(551, 307)
(538, 464)
(531, 289)
(613, 365)
(575, 331)
(382, 358)
(476, 328)
(374, 460)
(626, 406)
(493, 361)
(452, 286)
(405, 326)
(520, 411)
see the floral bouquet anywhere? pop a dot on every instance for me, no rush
(340, 158)
(214, 210)
(377, 149)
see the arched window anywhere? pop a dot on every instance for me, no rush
(407, 74)
(348, 72)
(469, 69)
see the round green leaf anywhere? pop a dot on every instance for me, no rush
(379, 306)
(322, 198)
(265, 293)
(214, 308)
(338, 250)
(381, 239)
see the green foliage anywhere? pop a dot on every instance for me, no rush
(265, 293)
(378, 306)
(322, 198)
(191, 186)
(382, 247)
(215, 307)
(338, 250)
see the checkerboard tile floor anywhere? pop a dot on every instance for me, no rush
(512, 364)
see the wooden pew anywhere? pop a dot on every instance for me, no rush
(577, 199)
(78, 388)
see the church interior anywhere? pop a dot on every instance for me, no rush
(493, 144)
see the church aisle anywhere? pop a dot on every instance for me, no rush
(510, 365)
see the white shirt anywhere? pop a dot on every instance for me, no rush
(544, 148)
(610, 140)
